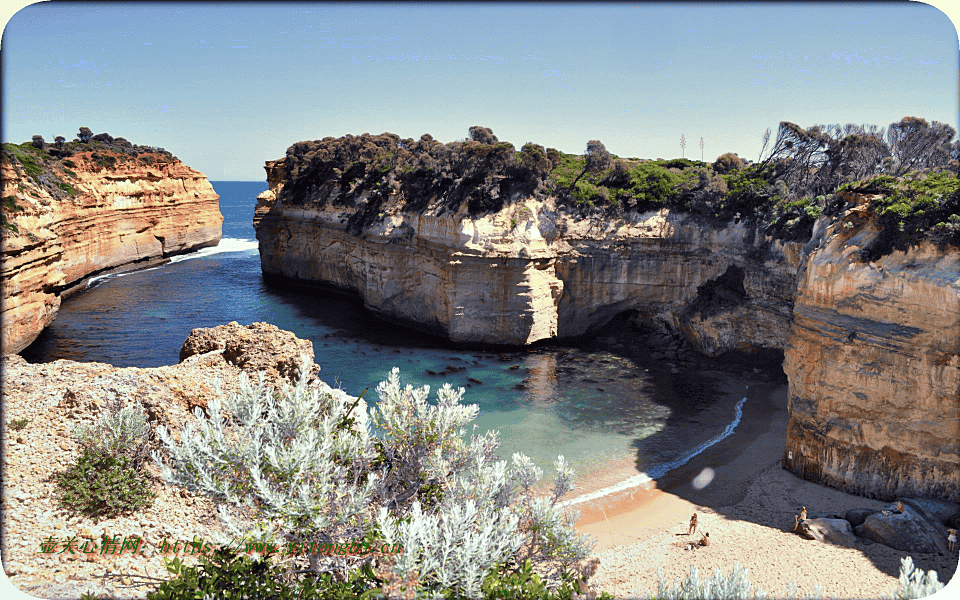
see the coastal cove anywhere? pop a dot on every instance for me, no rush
(599, 403)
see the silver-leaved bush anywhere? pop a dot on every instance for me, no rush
(309, 463)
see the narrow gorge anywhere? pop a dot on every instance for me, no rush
(469, 242)
(91, 208)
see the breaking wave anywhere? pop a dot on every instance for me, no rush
(225, 245)
(660, 470)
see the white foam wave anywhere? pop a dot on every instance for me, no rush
(661, 469)
(225, 245)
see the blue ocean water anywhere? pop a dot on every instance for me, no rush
(591, 404)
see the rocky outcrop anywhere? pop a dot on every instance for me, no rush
(85, 219)
(909, 531)
(534, 271)
(873, 362)
(51, 399)
(254, 348)
(837, 531)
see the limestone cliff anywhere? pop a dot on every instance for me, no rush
(89, 214)
(865, 300)
(534, 271)
(873, 361)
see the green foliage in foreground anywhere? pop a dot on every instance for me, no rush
(916, 206)
(227, 574)
(17, 424)
(102, 485)
(108, 478)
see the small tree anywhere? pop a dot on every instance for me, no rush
(596, 158)
(84, 135)
(484, 135)
(60, 140)
(38, 142)
(727, 163)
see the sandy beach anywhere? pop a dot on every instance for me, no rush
(748, 508)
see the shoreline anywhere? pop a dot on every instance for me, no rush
(747, 506)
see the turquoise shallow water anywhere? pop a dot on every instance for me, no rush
(591, 403)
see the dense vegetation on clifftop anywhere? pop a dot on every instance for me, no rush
(913, 166)
(53, 166)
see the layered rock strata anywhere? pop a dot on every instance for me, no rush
(127, 214)
(873, 362)
(872, 349)
(533, 272)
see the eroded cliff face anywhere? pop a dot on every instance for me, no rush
(872, 349)
(873, 361)
(126, 214)
(533, 271)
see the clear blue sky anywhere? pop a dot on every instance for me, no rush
(227, 87)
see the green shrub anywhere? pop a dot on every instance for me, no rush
(226, 574)
(67, 188)
(9, 203)
(17, 424)
(915, 207)
(102, 485)
(120, 431)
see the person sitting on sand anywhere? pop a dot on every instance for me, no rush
(704, 539)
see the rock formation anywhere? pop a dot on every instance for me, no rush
(534, 271)
(873, 362)
(51, 399)
(872, 338)
(87, 216)
(255, 348)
